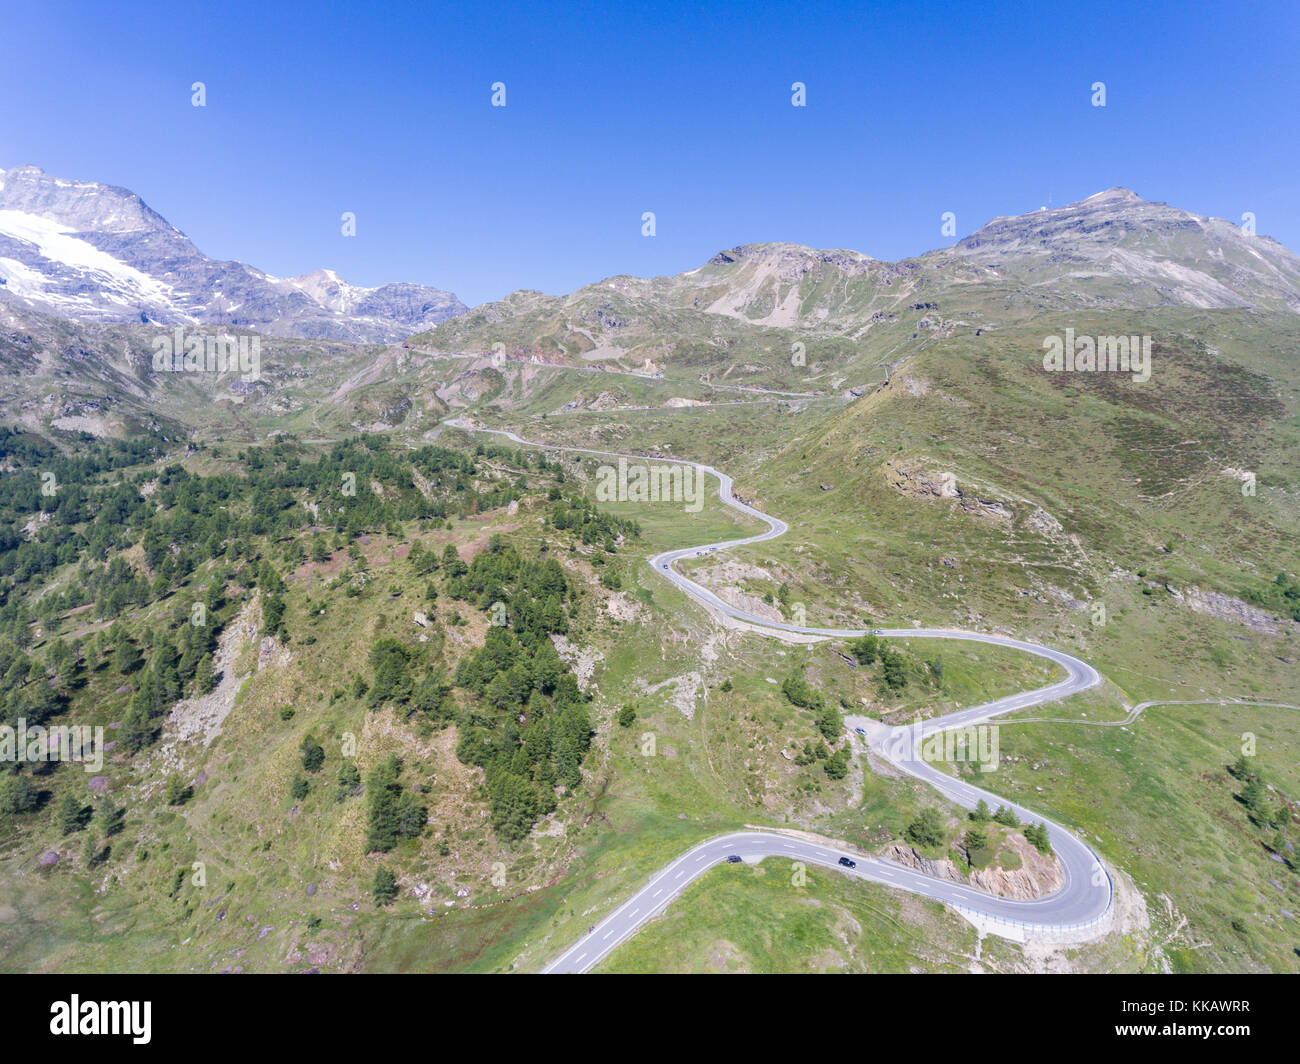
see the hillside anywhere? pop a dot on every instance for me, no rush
(565, 721)
(739, 316)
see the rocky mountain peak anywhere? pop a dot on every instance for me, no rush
(95, 252)
(82, 206)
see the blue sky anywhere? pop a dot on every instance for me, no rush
(385, 110)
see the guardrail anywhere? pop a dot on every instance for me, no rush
(1061, 932)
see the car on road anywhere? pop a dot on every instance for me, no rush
(878, 631)
(734, 859)
(847, 863)
(860, 731)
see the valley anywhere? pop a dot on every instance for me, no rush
(451, 706)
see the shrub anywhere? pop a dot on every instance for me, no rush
(384, 886)
(176, 792)
(313, 755)
(927, 830)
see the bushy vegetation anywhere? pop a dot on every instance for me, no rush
(927, 830)
(1281, 595)
(123, 531)
(527, 724)
(1268, 809)
(799, 692)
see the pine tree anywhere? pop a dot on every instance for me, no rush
(313, 755)
(1255, 796)
(17, 795)
(349, 780)
(1037, 834)
(110, 817)
(383, 789)
(126, 656)
(138, 728)
(411, 815)
(866, 649)
(384, 886)
(68, 814)
(927, 830)
(206, 675)
(1241, 768)
(894, 670)
(176, 792)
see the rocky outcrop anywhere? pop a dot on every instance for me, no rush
(905, 855)
(1037, 876)
(733, 596)
(917, 483)
(1226, 608)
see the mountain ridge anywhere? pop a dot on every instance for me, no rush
(1110, 251)
(99, 253)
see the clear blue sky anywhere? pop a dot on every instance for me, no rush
(682, 109)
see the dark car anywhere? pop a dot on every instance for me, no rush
(734, 859)
(847, 863)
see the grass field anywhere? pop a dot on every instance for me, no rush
(747, 918)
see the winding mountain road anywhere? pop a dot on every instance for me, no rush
(1079, 909)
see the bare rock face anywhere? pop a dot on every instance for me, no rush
(918, 483)
(907, 856)
(733, 596)
(1226, 608)
(915, 483)
(1037, 876)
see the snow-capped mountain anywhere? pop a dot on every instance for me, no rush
(98, 253)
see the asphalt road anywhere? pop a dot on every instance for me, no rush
(1088, 893)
